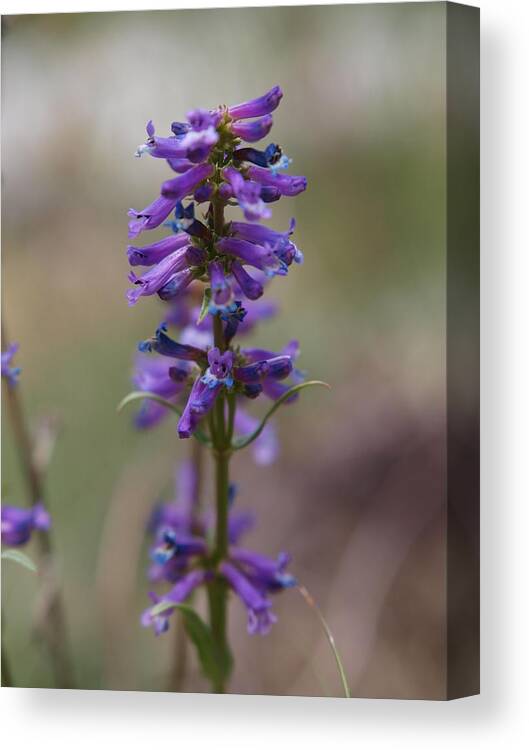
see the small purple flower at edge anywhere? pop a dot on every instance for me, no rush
(19, 523)
(11, 374)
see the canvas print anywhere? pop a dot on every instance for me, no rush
(240, 410)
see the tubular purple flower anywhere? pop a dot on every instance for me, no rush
(159, 623)
(172, 544)
(262, 570)
(161, 148)
(151, 216)
(179, 187)
(225, 191)
(152, 254)
(263, 105)
(11, 374)
(17, 524)
(188, 584)
(276, 368)
(254, 130)
(183, 588)
(158, 276)
(200, 119)
(180, 165)
(199, 403)
(156, 375)
(270, 194)
(265, 258)
(220, 367)
(165, 345)
(220, 286)
(248, 252)
(260, 618)
(248, 195)
(251, 288)
(259, 233)
(286, 184)
(203, 192)
(196, 256)
(176, 284)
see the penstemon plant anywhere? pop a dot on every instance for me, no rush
(200, 270)
(19, 525)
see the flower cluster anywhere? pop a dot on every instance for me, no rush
(11, 374)
(171, 378)
(213, 168)
(181, 555)
(19, 523)
(211, 273)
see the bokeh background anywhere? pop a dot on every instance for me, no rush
(357, 494)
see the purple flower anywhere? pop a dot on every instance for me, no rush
(157, 375)
(161, 148)
(254, 130)
(152, 254)
(180, 555)
(180, 165)
(263, 105)
(199, 403)
(253, 255)
(221, 292)
(220, 369)
(179, 187)
(151, 216)
(250, 286)
(264, 572)
(179, 593)
(176, 285)
(173, 268)
(248, 195)
(11, 374)
(271, 158)
(260, 617)
(276, 368)
(259, 233)
(271, 387)
(19, 523)
(203, 193)
(201, 137)
(286, 184)
(172, 544)
(163, 344)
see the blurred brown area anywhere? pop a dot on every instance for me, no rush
(358, 492)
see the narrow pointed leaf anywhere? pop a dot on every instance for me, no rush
(206, 299)
(242, 442)
(140, 395)
(19, 557)
(216, 666)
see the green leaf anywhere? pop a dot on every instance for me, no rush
(242, 442)
(140, 395)
(19, 557)
(216, 665)
(206, 299)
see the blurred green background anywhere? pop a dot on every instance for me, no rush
(357, 494)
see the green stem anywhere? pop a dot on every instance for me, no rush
(7, 677)
(221, 439)
(54, 626)
(178, 671)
